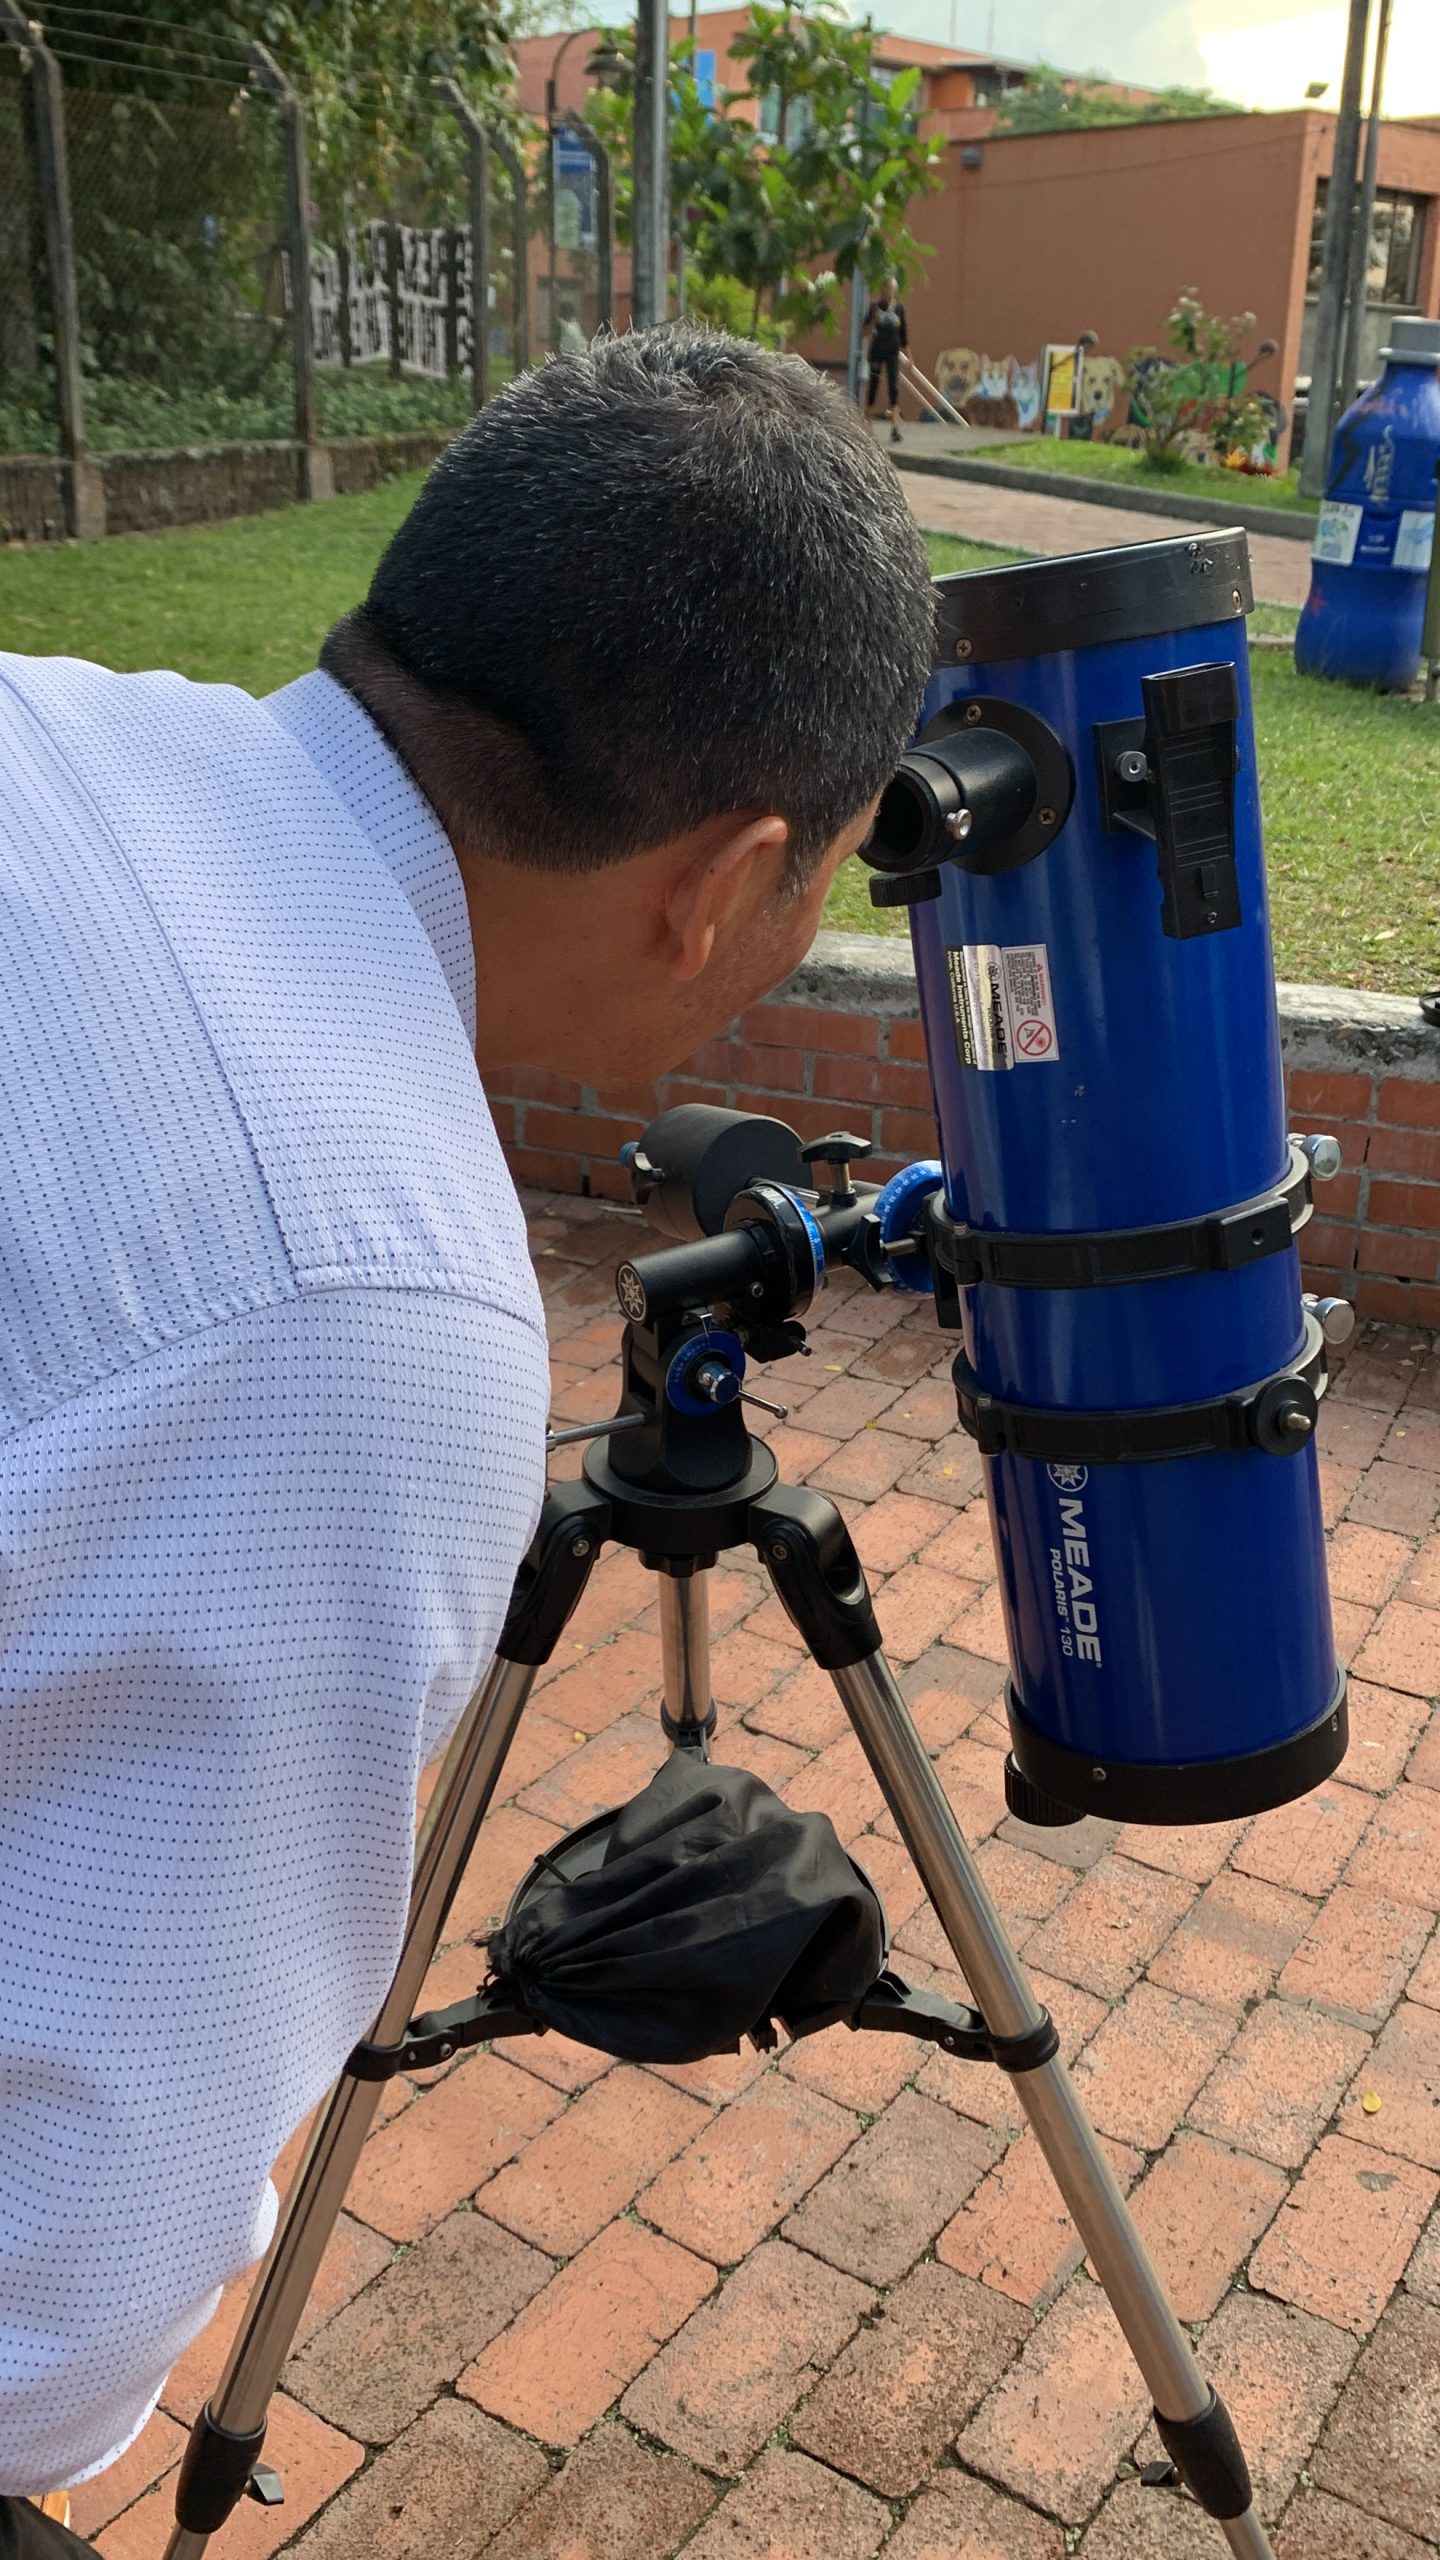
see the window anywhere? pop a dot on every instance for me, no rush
(799, 118)
(1397, 232)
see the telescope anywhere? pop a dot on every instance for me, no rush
(1110, 1233)
(1112, 1225)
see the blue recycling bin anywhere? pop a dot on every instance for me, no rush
(1121, 1198)
(1362, 619)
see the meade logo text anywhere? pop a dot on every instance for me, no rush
(1070, 1568)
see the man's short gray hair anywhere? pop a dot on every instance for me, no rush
(664, 579)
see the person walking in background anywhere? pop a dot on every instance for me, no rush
(886, 330)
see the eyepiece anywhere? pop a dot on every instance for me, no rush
(912, 823)
(964, 798)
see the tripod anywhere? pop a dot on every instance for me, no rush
(678, 1478)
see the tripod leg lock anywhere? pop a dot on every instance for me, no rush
(215, 2473)
(1206, 2452)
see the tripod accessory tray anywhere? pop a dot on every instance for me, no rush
(847, 1983)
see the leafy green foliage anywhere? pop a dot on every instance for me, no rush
(791, 217)
(124, 416)
(1200, 394)
(1052, 101)
(365, 69)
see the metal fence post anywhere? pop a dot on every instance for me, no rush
(84, 487)
(514, 168)
(392, 294)
(477, 163)
(317, 469)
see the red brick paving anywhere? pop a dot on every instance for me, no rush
(1199, 2210)
(1014, 2233)
(738, 2367)
(568, 2357)
(1067, 2411)
(1233, 1994)
(791, 2505)
(1279, 2084)
(1345, 2234)
(1381, 2449)
(890, 2404)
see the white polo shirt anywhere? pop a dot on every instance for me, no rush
(272, 1398)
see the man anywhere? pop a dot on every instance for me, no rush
(568, 793)
(887, 332)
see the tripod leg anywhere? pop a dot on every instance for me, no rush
(818, 1577)
(1193, 2424)
(227, 2436)
(687, 1709)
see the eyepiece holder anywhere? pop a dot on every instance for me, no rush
(987, 787)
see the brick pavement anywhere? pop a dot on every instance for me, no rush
(1036, 521)
(826, 2305)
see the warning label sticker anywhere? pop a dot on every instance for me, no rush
(1003, 1004)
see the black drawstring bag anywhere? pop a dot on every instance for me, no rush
(715, 1909)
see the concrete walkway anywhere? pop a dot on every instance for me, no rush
(1046, 525)
(827, 2302)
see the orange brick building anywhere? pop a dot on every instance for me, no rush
(1038, 237)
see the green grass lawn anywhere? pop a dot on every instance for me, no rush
(1351, 783)
(241, 603)
(1117, 462)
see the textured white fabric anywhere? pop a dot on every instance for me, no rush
(272, 1391)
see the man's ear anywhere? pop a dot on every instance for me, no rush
(711, 882)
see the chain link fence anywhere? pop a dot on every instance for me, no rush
(182, 253)
(27, 372)
(178, 218)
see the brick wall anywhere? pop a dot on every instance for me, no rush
(840, 1047)
(148, 492)
(813, 1068)
(1375, 1236)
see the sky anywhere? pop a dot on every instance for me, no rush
(1263, 53)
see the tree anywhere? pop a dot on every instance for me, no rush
(1052, 101)
(366, 70)
(789, 216)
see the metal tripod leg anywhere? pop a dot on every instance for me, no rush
(1195, 2427)
(229, 2432)
(687, 1709)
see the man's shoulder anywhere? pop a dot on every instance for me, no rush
(237, 1071)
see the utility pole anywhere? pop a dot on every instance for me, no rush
(650, 294)
(1334, 261)
(1365, 215)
